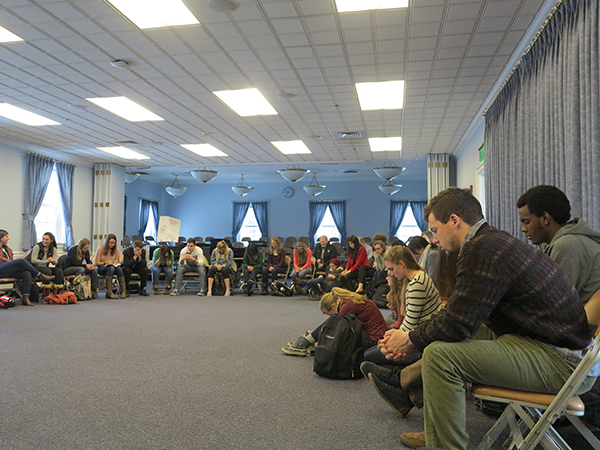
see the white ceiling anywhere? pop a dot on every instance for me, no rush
(450, 53)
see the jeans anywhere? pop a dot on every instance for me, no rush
(81, 270)
(141, 271)
(510, 361)
(110, 271)
(59, 277)
(274, 273)
(249, 275)
(184, 268)
(319, 283)
(156, 270)
(19, 268)
(300, 274)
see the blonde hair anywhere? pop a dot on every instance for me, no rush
(223, 245)
(278, 246)
(397, 295)
(302, 255)
(82, 243)
(336, 295)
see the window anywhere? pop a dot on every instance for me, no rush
(250, 226)
(152, 226)
(327, 227)
(51, 216)
(408, 227)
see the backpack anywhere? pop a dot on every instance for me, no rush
(339, 352)
(378, 292)
(81, 286)
(280, 289)
(298, 290)
(6, 302)
(218, 285)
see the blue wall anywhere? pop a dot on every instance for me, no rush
(206, 210)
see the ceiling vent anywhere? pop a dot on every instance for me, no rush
(347, 135)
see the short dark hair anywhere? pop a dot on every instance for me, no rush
(454, 201)
(417, 243)
(550, 199)
(192, 240)
(138, 244)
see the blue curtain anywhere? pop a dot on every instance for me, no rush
(338, 212)
(65, 180)
(125, 215)
(261, 212)
(154, 208)
(316, 212)
(240, 209)
(417, 209)
(39, 171)
(147, 206)
(397, 211)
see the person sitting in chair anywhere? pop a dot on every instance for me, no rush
(221, 260)
(191, 259)
(134, 261)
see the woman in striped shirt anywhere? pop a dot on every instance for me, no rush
(413, 296)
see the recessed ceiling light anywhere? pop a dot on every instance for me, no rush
(6, 36)
(246, 102)
(362, 5)
(123, 152)
(223, 5)
(291, 147)
(387, 144)
(381, 95)
(23, 116)
(125, 108)
(205, 150)
(155, 13)
(119, 64)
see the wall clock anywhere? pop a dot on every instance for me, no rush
(288, 192)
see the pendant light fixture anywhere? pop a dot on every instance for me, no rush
(314, 188)
(242, 189)
(389, 188)
(293, 173)
(130, 177)
(176, 190)
(388, 170)
(205, 175)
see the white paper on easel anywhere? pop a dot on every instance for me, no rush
(168, 229)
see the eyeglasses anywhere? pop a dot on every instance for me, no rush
(377, 248)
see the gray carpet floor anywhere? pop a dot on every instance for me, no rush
(182, 372)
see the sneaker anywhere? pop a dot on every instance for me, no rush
(389, 376)
(298, 348)
(396, 397)
(228, 293)
(413, 439)
(175, 292)
(201, 293)
(295, 351)
(143, 293)
(209, 294)
(306, 333)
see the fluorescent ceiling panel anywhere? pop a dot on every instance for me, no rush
(387, 144)
(291, 147)
(23, 116)
(246, 102)
(367, 5)
(125, 108)
(155, 13)
(205, 150)
(123, 152)
(7, 36)
(381, 95)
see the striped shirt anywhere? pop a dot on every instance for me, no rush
(422, 300)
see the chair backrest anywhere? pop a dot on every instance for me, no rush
(304, 239)
(246, 238)
(126, 242)
(264, 239)
(238, 244)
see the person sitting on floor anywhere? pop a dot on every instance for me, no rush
(535, 323)
(134, 261)
(252, 264)
(79, 262)
(44, 258)
(19, 268)
(275, 264)
(302, 263)
(191, 259)
(341, 301)
(357, 256)
(108, 261)
(162, 261)
(322, 284)
(221, 260)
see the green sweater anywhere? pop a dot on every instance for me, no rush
(256, 262)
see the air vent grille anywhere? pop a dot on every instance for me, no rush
(348, 135)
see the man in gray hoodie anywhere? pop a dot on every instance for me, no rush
(544, 212)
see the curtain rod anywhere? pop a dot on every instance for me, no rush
(52, 159)
(543, 27)
(149, 199)
(411, 200)
(250, 201)
(327, 201)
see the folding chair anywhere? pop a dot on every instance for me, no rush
(15, 285)
(535, 413)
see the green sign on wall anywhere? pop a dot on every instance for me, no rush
(481, 154)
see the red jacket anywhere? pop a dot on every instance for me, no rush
(6, 251)
(307, 264)
(361, 260)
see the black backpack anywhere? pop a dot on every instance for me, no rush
(218, 285)
(339, 352)
(280, 289)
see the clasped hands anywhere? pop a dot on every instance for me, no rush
(395, 344)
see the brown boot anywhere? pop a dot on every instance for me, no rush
(94, 293)
(109, 292)
(57, 288)
(155, 288)
(122, 287)
(413, 439)
(167, 289)
(45, 278)
(25, 301)
(46, 290)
